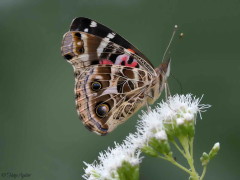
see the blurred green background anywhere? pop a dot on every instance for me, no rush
(40, 132)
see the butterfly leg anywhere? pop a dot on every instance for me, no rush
(148, 107)
(167, 91)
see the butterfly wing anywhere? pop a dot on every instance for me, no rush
(107, 95)
(113, 79)
(90, 43)
(92, 27)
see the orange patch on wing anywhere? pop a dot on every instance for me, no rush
(132, 51)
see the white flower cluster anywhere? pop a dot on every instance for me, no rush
(110, 161)
(176, 110)
(181, 108)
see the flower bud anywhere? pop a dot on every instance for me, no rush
(214, 150)
(180, 121)
(189, 117)
(204, 159)
(161, 135)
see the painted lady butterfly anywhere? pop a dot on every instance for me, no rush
(113, 79)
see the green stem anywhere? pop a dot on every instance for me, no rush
(179, 149)
(191, 146)
(185, 144)
(170, 159)
(204, 172)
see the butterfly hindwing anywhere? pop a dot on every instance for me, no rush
(107, 95)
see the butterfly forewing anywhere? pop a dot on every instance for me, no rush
(90, 41)
(92, 27)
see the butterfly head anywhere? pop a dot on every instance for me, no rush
(163, 71)
(164, 68)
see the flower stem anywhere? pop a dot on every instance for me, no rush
(171, 159)
(189, 155)
(204, 172)
(191, 146)
(178, 148)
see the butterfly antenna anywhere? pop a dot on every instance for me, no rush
(179, 83)
(169, 44)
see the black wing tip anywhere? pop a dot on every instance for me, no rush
(80, 18)
(78, 22)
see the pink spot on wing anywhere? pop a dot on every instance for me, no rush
(133, 64)
(124, 57)
(123, 60)
(106, 61)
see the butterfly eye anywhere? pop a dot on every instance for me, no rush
(102, 110)
(96, 86)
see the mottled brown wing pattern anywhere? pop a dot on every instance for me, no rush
(107, 95)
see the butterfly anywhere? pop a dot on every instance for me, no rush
(113, 79)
